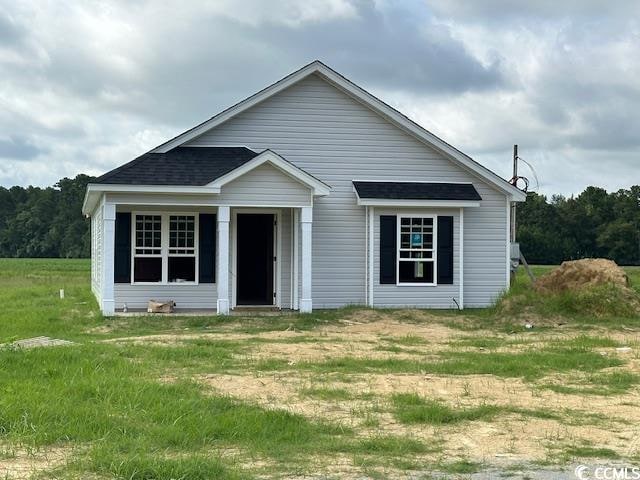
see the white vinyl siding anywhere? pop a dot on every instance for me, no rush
(337, 139)
(190, 296)
(267, 186)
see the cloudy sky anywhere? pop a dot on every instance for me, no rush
(86, 86)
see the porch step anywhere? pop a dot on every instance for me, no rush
(259, 311)
(256, 308)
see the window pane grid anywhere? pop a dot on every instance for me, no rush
(416, 234)
(148, 235)
(164, 248)
(416, 250)
(182, 235)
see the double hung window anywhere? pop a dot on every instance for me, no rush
(416, 250)
(165, 248)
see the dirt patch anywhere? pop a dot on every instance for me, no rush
(522, 437)
(21, 463)
(521, 432)
(399, 324)
(578, 274)
(366, 334)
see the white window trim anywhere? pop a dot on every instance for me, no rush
(164, 243)
(435, 251)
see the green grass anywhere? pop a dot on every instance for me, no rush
(407, 340)
(528, 364)
(327, 393)
(461, 467)
(604, 384)
(31, 304)
(411, 408)
(591, 452)
(129, 411)
(132, 426)
(389, 445)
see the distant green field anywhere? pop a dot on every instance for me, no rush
(30, 299)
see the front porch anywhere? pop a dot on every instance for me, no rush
(230, 257)
(243, 239)
(279, 274)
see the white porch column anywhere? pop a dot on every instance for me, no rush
(461, 258)
(296, 259)
(108, 258)
(306, 219)
(222, 266)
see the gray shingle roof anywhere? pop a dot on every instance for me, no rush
(417, 191)
(193, 166)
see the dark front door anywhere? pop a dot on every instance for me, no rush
(255, 259)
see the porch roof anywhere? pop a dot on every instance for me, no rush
(194, 171)
(192, 166)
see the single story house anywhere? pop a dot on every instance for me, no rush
(312, 193)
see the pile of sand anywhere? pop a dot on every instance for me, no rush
(578, 274)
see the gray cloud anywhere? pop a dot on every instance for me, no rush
(496, 11)
(19, 148)
(85, 87)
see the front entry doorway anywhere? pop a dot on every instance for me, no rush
(255, 259)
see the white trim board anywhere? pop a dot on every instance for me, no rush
(381, 202)
(386, 111)
(96, 190)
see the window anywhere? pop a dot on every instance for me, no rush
(416, 251)
(147, 259)
(165, 248)
(182, 250)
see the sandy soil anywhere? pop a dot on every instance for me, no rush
(509, 437)
(17, 464)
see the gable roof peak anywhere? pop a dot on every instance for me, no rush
(358, 93)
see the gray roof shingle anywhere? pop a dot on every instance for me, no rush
(416, 191)
(193, 166)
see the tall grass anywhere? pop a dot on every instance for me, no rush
(602, 302)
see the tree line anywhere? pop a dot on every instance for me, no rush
(592, 224)
(47, 222)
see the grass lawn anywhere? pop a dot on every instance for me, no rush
(344, 394)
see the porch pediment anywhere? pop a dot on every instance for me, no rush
(274, 162)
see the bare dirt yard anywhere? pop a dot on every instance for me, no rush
(527, 389)
(365, 370)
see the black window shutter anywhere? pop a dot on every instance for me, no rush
(445, 250)
(122, 254)
(388, 250)
(207, 247)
